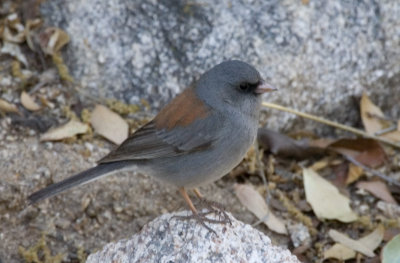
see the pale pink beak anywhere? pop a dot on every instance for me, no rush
(264, 87)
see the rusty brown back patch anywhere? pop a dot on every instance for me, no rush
(182, 111)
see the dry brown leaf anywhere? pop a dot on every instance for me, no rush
(52, 39)
(5, 106)
(368, 112)
(365, 245)
(286, 147)
(339, 251)
(253, 201)
(366, 151)
(28, 102)
(325, 199)
(353, 173)
(67, 130)
(378, 189)
(109, 124)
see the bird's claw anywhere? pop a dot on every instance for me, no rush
(216, 208)
(211, 207)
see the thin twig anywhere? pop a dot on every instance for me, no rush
(387, 130)
(330, 123)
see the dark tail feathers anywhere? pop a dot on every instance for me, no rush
(78, 179)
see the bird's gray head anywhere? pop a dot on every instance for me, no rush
(233, 84)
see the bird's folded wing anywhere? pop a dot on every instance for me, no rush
(177, 129)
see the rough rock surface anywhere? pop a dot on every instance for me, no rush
(170, 240)
(321, 54)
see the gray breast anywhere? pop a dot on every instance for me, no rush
(203, 167)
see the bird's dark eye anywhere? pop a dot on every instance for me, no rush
(248, 87)
(244, 86)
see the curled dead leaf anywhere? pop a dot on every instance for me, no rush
(6, 107)
(28, 102)
(365, 245)
(67, 130)
(253, 201)
(52, 39)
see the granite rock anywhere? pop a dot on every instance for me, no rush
(321, 54)
(167, 239)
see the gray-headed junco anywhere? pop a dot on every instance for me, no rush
(197, 138)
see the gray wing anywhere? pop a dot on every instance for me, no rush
(149, 142)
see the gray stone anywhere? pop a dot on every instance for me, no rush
(321, 55)
(167, 239)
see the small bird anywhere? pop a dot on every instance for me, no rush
(197, 138)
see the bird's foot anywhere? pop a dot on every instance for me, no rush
(215, 208)
(202, 219)
(210, 208)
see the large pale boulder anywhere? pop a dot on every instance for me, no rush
(167, 239)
